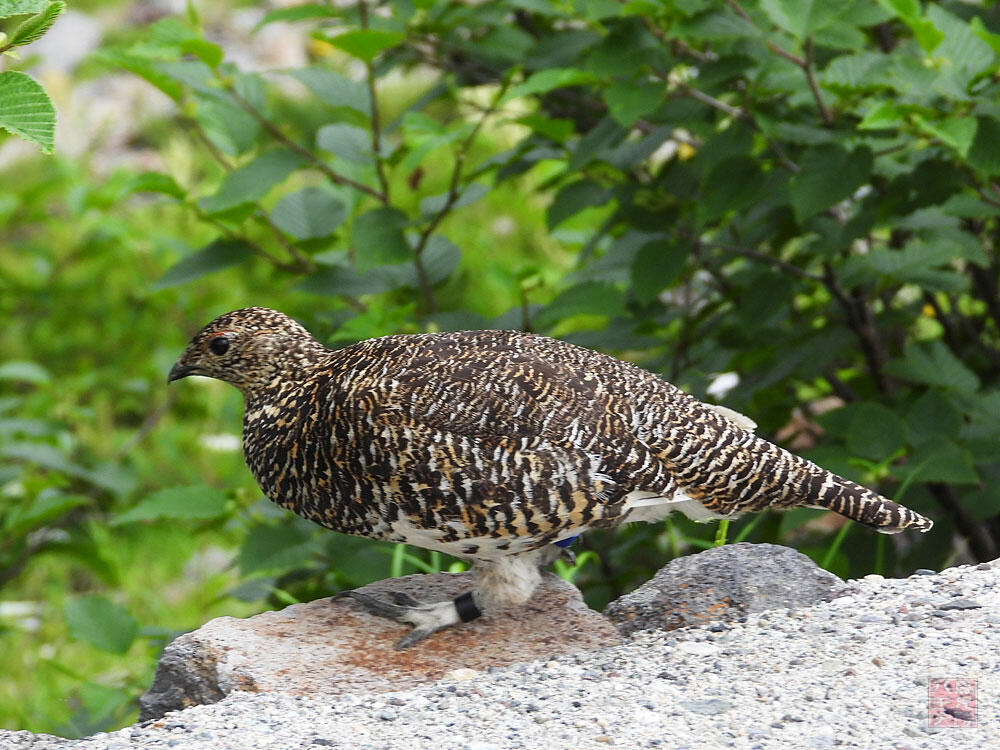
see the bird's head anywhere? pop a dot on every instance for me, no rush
(248, 348)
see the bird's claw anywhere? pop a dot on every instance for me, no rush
(403, 609)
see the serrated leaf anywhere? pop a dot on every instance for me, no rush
(26, 110)
(377, 237)
(304, 12)
(959, 45)
(586, 298)
(155, 182)
(573, 198)
(984, 154)
(274, 548)
(939, 460)
(252, 181)
(435, 203)
(933, 414)
(10, 8)
(803, 18)
(440, 258)
(876, 432)
(101, 623)
(39, 512)
(957, 132)
(858, 71)
(365, 44)
(211, 258)
(931, 362)
(195, 502)
(337, 280)
(829, 174)
(629, 100)
(231, 128)
(34, 28)
(309, 213)
(346, 141)
(546, 80)
(655, 267)
(883, 116)
(334, 89)
(910, 12)
(731, 185)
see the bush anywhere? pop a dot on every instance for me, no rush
(789, 207)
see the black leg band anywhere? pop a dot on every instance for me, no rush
(466, 607)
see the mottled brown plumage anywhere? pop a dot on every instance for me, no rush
(493, 445)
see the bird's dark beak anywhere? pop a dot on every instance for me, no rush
(179, 371)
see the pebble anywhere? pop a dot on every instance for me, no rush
(781, 680)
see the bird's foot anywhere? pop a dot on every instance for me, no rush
(425, 619)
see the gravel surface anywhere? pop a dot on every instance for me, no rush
(853, 672)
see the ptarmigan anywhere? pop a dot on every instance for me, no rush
(493, 446)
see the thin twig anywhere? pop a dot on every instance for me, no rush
(824, 112)
(309, 156)
(860, 320)
(303, 262)
(760, 257)
(376, 120)
(711, 101)
(451, 197)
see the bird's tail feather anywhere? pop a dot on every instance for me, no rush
(869, 508)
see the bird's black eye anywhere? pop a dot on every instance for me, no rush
(219, 345)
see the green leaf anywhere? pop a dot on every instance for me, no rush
(555, 129)
(573, 198)
(252, 181)
(980, 30)
(335, 280)
(231, 128)
(655, 267)
(984, 154)
(309, 213)
(440, 258)
(629, 100)
(546, 80)
(194, 502)
(983, 503)
(883, 116)
(39, 512)
(939, 460)
(304, 12)
(10, 8)
(933, 414)
(274, 548)
(365, 44)
(931, 362)
(829, 174)
(211, 258)
(435, 203)
(25, 371)
(586, 298)
(957, 132)
(909, 11)
(346, 141)
(377, 237)
(26, 110)
(334, 89)
(155, 182)
(34, 28)
(875, 432)
(803, 18)
(731, 185)
(959, 45)
(101, 623)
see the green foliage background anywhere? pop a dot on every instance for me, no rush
(805, 194)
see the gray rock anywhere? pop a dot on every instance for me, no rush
(331, 647)
(723, 584)
(29, 741)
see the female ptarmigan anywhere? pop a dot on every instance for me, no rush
(493, 446)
